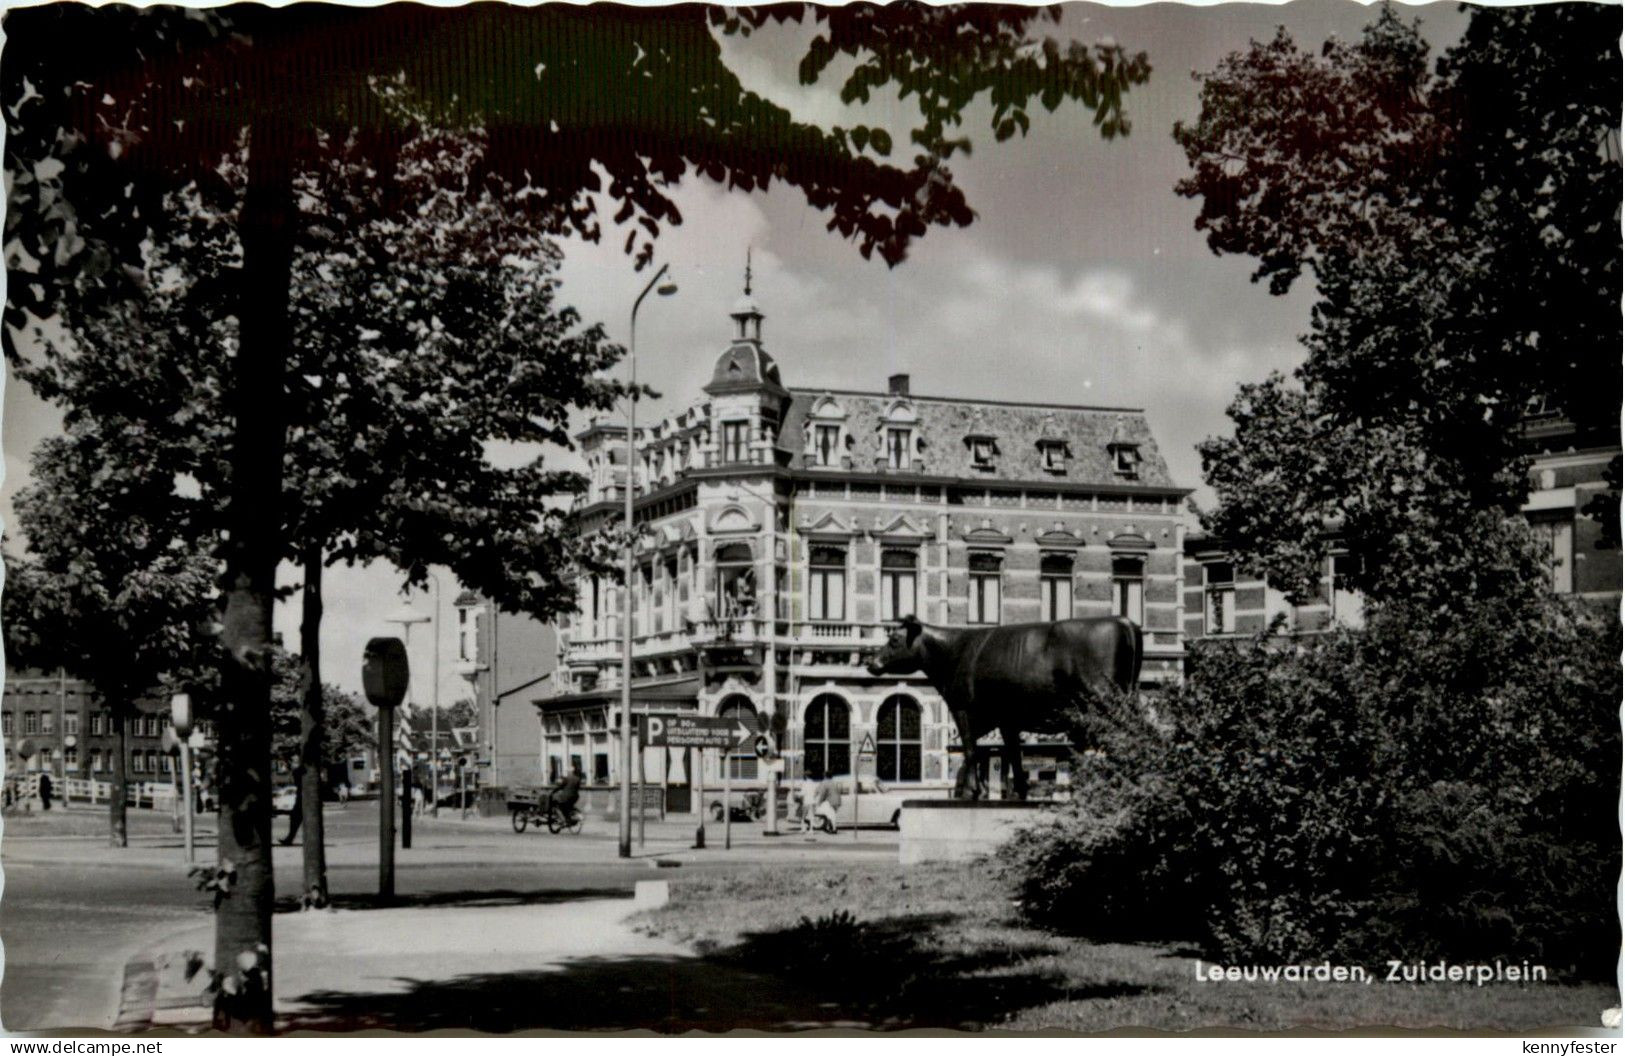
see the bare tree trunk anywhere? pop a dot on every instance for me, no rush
(242, 950)
(311, 721)
(117, 818)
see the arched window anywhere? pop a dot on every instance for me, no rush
(736, 581)
(899, 582)
(742, 764)
(985, 582)
(827, 738)
(1055, 572)
(897, 744)
(1128, 587)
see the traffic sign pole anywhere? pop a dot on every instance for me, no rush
(643, 785)
(727, 803)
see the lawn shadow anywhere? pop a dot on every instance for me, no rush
(910, 971)
(669, 994)
(476, 897)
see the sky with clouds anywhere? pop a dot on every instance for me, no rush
(1082, 280)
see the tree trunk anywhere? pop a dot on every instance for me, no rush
(311, 724)
(242, 948)
(118, 831)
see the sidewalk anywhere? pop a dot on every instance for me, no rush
(479, 842)
(576, 965)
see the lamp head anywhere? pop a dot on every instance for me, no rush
(667, 288)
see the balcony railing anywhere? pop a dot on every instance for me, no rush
(742, 630)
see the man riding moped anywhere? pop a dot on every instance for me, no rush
(565, 794)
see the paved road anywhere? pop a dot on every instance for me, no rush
(68, 930)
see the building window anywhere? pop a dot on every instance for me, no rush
(827, 738)
(982, 450)
(1052, 455)
(98, 723)
(1220, 597)
(1556, 539)
(462, 634)
(897, 448)
(97, 764)
(985, 578)
(5, 724)
(826, 588)
(1126, 460)
(826, 444)
(138, 763)
(736, 581)
(163, 762)
(47, 722)
(152, 761)
(70, 757)
(899, 583)
(1348, 604)
(1055, 584)
(741, 764)
(600, 768)
(30, 722)
(897, 740)
(1128, 588)
(555, 769)
(735, 441)
(70, 723)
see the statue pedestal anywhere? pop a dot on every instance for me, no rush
(953, 830)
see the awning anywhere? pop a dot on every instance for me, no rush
(649, 693)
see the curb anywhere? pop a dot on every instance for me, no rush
(138, 996)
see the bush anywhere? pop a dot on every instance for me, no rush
(1426, 788)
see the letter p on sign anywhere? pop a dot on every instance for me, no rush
(653, 732)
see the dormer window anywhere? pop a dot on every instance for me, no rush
(898, 444)
(826, 444)
(1126, 460)
(1052, 455)
(982, 451)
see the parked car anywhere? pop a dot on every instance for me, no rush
(283, 799)
(879, 806)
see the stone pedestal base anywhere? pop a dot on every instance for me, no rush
(953, 830)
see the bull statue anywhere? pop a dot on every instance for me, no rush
(1019, 678)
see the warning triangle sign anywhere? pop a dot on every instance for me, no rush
(868, 745)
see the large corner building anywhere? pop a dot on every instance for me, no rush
(781, 529)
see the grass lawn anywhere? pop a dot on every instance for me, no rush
(941, 946)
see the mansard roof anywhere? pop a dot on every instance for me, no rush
(945, 422)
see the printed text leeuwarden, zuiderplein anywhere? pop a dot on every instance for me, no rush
(1397, 972)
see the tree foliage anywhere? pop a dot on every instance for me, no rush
(347, 725)
(106, 588)
(1461, 227)
(1410, 792)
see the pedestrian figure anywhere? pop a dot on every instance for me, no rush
(344, 793)
(45, 791)
(808, 795)
(827, 801)
(297, 814)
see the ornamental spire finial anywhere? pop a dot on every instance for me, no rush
(747, 271)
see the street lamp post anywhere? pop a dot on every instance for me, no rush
(434, 704)
(666, 289)
(470, 670)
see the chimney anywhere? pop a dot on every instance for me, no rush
(897, 385)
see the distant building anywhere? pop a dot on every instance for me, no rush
(507, 660)
(55, 724)
(784, 528)
(1567, 470)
